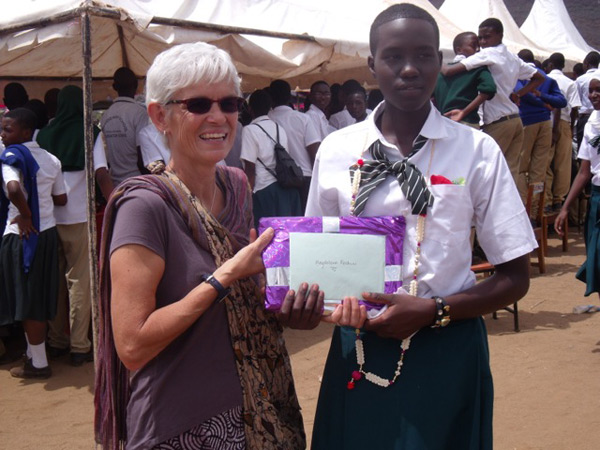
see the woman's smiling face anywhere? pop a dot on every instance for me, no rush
(205, 137)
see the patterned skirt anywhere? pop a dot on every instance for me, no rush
(589, 272)
(224, 431)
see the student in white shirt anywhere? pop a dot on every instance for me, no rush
(558, 174)
(589, 170)
(303, 138)
(501, 114)
(442, 394)
(590, 67)
(320, 98)
(33, 183)
(343, 118)
(269, 199)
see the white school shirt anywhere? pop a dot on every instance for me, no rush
(153, 145)
(488, 199)
(75, 211)
(319, 120)
(589, 153)
(583, 87)
(341, 119)
(506, 69)
(49, 182)
(300, 133)
(257, 145)
(99, 154)
(569, 90)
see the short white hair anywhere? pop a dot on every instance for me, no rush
(185, 65)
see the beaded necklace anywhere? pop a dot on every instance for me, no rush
(414, 284)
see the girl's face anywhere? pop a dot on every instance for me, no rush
(595, 93)
(13, 133)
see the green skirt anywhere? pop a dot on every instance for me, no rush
(33, 295)
(589, 272)
(442, 400)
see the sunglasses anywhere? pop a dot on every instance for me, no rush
(202, 105)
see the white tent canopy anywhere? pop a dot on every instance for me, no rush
(468, 14)
(549, 22)
(282, 39)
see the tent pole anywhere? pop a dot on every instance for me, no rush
(89, 169)
(124, 58)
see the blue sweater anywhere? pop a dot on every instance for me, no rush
(534, 109)
(19, 156)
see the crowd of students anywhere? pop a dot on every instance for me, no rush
(396, 134)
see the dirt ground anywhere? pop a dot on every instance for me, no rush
(547, 376)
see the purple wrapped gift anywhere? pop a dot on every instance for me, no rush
(276, 255)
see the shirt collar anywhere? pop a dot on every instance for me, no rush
(556, 72)
(316, 109)
(433, 128)
(261, 118)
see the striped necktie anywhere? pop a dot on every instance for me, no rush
(411, 180)
(595, 143)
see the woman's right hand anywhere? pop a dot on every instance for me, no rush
(248, 261)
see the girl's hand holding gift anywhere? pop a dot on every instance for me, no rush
(303, 309)
(404, 316)
(348, 313)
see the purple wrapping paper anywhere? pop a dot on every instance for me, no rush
(277, 253)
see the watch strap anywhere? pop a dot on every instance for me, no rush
(222, 291)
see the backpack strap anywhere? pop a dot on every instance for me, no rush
(272, 172)
(270, 137)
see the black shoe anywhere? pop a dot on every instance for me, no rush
(55, 352)
(77, 359)
(27, 370)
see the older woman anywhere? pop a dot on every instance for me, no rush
(199, 363)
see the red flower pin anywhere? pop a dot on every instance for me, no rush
(439, 179)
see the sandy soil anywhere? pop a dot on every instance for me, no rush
(546, 377)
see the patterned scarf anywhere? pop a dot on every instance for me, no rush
(272, 418)
(411, 180)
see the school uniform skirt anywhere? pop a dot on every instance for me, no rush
(442, 400)
(33, 295)
(589, 272)
(275, 201)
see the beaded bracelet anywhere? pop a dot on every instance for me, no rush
(442, 312)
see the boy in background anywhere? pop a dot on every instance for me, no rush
(459, 97)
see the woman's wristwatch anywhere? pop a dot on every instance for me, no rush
(222, 292)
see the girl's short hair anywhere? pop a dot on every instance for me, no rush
(185, 65)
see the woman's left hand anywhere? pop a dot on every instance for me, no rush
(303, 309)
(404, 316)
